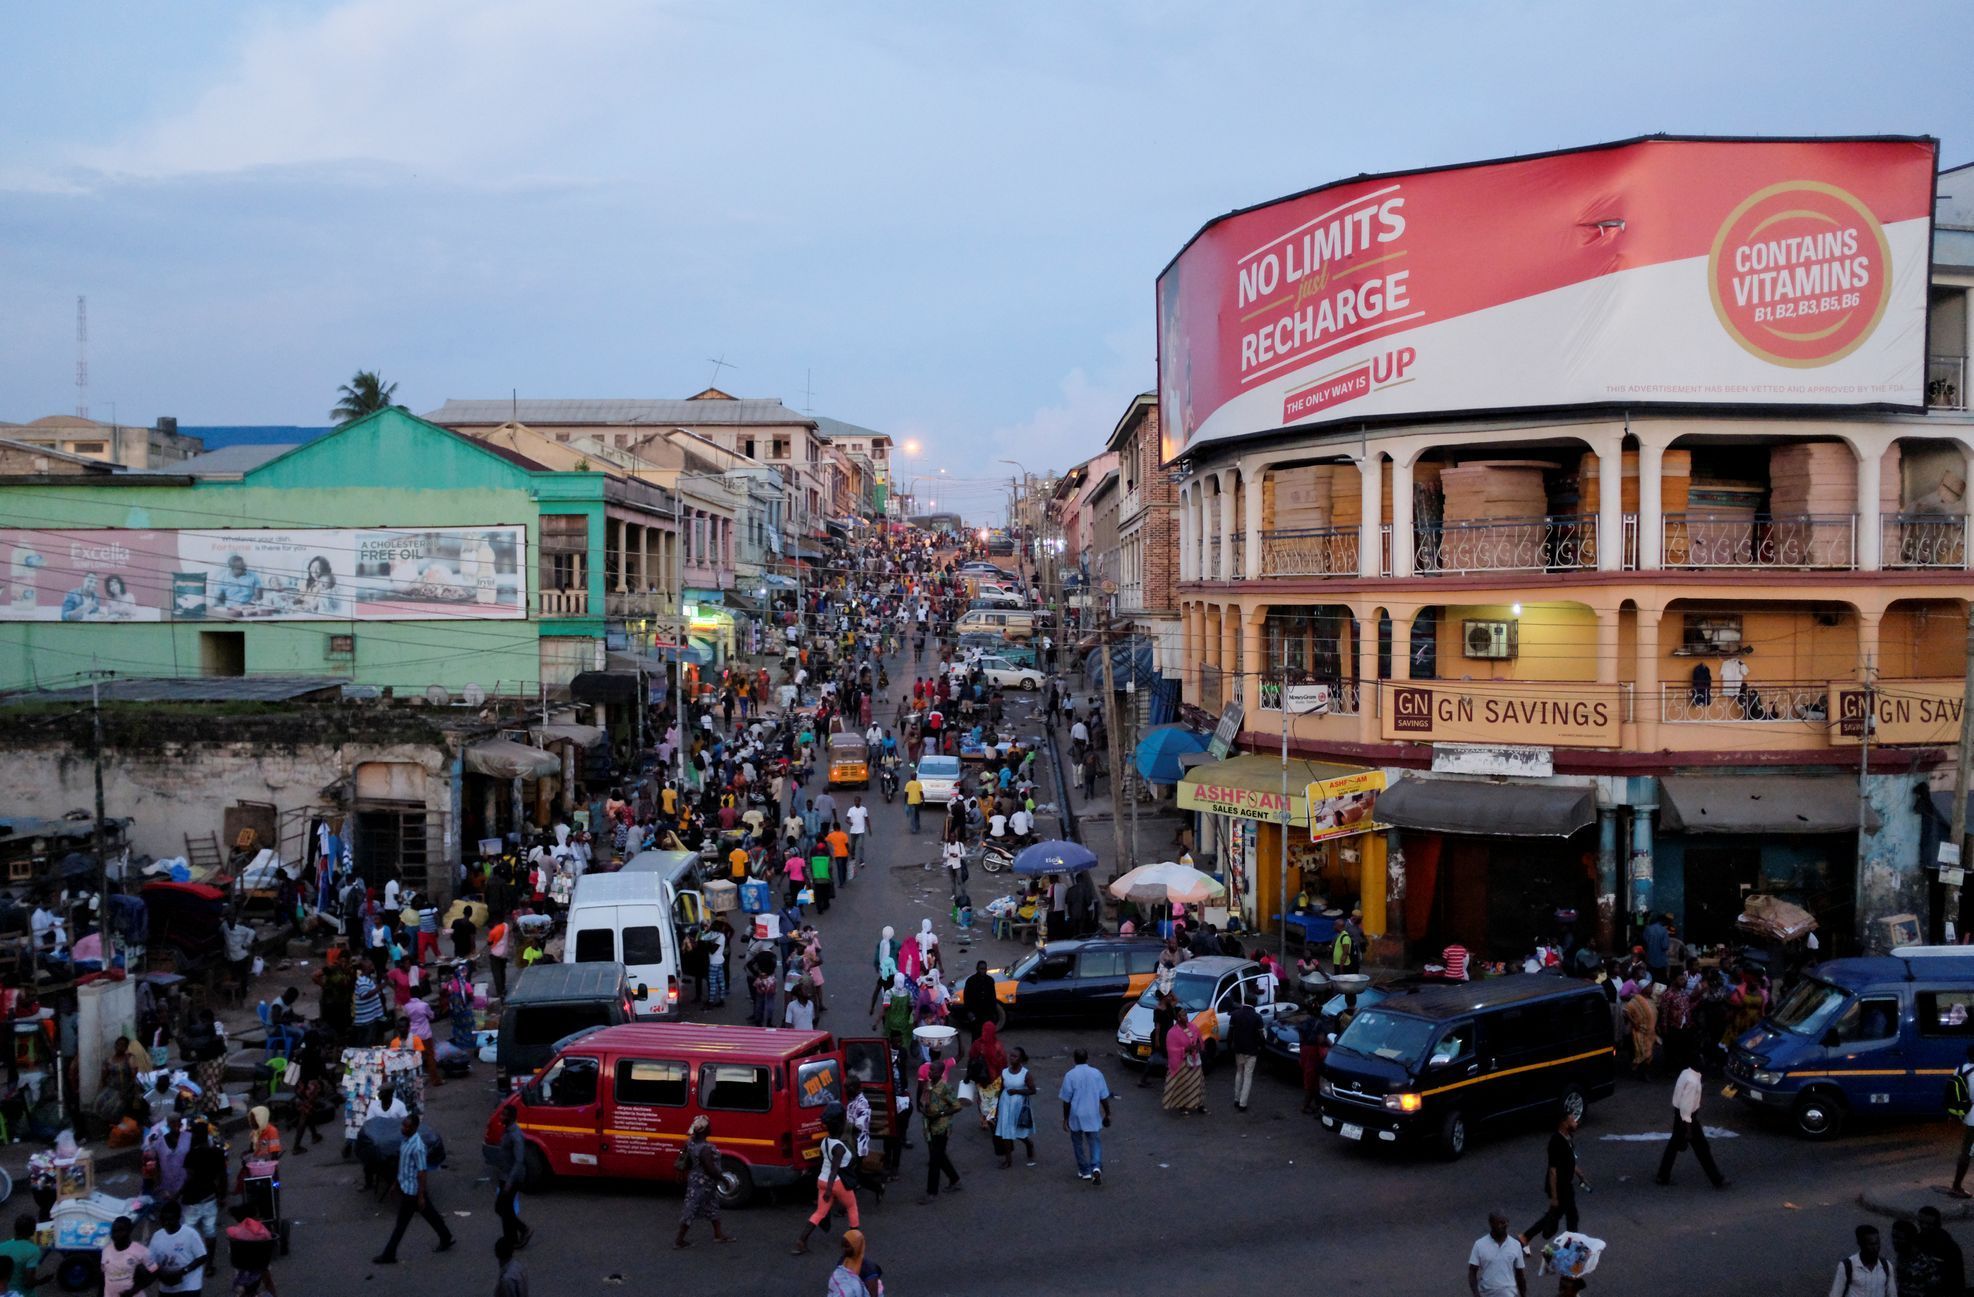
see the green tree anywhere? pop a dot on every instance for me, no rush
(366, 393)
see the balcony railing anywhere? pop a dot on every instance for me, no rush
(1802, 703)
(1925, 540)
(1312, 697)
(634, 603)
(1507, 545)
(565, 603)
(1212, 572)
(1310, 551)
(1811, 540)
(1946, 388)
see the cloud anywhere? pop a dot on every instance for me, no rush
(1074, 425)
(453, 86)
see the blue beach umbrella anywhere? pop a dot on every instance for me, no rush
(1159, 752)
(1054, 857)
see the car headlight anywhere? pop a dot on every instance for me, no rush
(1406, 1102)
(1292, 1045)
(1326, 1090)
(1767, 1078)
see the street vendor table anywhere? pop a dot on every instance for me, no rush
(1309, 929)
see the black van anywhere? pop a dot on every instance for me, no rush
(550, 1001)
(1428, 1064)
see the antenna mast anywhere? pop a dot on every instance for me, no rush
(82, 357)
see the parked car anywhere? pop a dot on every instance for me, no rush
(1003, 674)
(938, 778)
(1208, 990)
(1090, 979)
(1426, 1066)
(1878, 1035)
(549, 1002)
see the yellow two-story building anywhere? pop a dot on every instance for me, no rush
(1614, 657)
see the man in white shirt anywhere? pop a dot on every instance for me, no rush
(1494, 1264)
(857, 820)
(1686, 1128)
(997, 825)
(178, 1252)
(1020, 823)
(1864, 1273)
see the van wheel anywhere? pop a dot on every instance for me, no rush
(1819, 1114)
(736, 1183)
(1453, 1135)
(535, 1174)
(1574, 1102)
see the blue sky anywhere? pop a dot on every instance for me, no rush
(947, 218)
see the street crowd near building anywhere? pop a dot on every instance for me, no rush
(1420, 694)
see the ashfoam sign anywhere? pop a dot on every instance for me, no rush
(1660, 271)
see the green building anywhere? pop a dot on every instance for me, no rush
(390, 553)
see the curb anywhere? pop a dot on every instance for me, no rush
(1903, 1201)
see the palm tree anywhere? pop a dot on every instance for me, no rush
(366, 393)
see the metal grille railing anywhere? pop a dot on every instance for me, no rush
(1310, 551)
(1506, 545)
(1810, 540)
(1337, 697)
(1924, 540)
(1803, 703)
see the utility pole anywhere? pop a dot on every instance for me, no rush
(1962, 769)
(102, 856)
(1113, 734)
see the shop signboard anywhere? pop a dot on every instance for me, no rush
(1196, 794)
(259, 574)
(1345, 805)
(1226, 731)
(1917, 712)
(1655, 271)
(1542, 713)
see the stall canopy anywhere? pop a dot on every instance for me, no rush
(1486, 809)
(618, 685)
(506, 759)
(1250, 787)
(1161, 750)
(1757, 804)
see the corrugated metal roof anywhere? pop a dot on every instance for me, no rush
(219, 435)
(229, 459)
(763, 410)
(834, 428)
(193, 689)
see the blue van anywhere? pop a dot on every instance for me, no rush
(1878, 1035)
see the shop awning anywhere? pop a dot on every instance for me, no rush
(1250, 787)
(617, 685)
(743, 600)
(1757, 804)
(506, 759)
(583, 736)
(1487, 809)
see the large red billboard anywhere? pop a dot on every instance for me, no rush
(1652, 272)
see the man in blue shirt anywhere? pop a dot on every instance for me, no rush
(414, 1199)
(238, 587)
(1085, 1113)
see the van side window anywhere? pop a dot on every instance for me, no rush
(1100, 963)
(1946, 1013)
(653, 1081)
(1144, 961)
(818, 1083)
(596, 946)
(1589, 1019)
(571, 1083)
(1522, 1029)
(1875, 1018)
(643, 945)
(734, 1087)
(1455, 1045)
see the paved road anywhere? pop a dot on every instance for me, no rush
(1198, 1204)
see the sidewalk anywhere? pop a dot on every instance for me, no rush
(1901, 1199)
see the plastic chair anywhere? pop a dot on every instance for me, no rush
(280, 1040)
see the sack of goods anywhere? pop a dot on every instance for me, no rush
(1572, 1254)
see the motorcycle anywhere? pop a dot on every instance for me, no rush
(995, 858)
(887, 782)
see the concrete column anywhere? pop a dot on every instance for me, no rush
(1651, 505)
(1225, 571)
(644, 558)
(1252, 479)
(1401, 515)
(1610, 507)
(1251, 657)
(1607, 878)
(1870, 530)
(1395, 888)
(1607, 646)
(1230, 647)
(1645, 680)
(1370, 495)
(1364, 666)
(1640, 873)
(1868, 661)
(1401, 643)
(1186, 534)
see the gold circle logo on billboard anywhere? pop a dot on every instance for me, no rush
(1800, 273)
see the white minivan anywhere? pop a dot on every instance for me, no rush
(627, 918)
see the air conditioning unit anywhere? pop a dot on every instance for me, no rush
(1492, 639)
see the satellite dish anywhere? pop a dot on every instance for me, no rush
(474, 695)
(438, 695)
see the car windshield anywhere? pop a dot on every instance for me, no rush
(1388, 1036)
(1810, 1008)
(1192, 993)
(1022, 965)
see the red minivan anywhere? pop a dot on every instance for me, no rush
(617, 1102)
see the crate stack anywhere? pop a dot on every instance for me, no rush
(1494, 492)
(1812, 490)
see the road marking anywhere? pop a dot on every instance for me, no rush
(1660, 1136)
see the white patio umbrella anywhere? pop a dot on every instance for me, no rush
(1166, 883)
